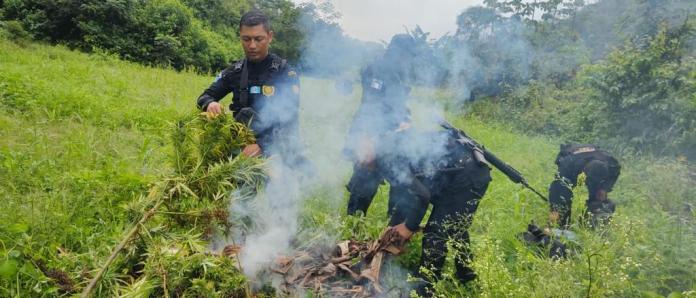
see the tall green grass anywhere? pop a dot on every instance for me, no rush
(82, 136)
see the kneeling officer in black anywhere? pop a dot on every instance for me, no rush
(601, 172)
(265, 89)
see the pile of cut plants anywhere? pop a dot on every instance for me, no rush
(166, 252)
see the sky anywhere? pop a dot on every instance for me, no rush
(376, 20)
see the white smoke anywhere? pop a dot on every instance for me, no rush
(276, 219)
(325, 117)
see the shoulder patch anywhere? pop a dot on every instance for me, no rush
(584, 149)
(267, 90)
(278, 63)
(237, 65)
(376, 84)
(292, 73)
(275, 65)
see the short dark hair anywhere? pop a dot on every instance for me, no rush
(253, 18)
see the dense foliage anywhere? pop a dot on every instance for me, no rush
(587, 73)
(180, 33)
(162, 32)
(637, 99)
(176, 33)
(504, 44)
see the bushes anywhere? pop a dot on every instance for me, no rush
(647, 95)
(639, 99)
(14, 30)
(178, 39)
(50, 20)
(161, 32)
(178, 33)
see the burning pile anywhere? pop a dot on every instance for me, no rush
(350, 269)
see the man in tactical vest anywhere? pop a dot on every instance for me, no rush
(382, 110)
(601, 172)
(265, 92)
(453, 179)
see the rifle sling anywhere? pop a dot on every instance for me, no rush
(244, 85)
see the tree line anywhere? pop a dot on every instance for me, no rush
(182, 34)
(617, 72)
(630, 61)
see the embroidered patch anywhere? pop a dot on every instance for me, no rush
(255, 90)
(268, 90)
(376, 84)
(583, 150)
(292, 73)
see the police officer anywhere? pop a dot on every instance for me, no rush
(265, 91)
(453, 182)
(601, 172)
(385, 85)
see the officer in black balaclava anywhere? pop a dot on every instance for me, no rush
(386, 86)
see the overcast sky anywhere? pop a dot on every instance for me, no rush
(376, 20)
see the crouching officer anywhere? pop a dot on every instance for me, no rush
(382, 109)
(601, 171)
(265, 92)
(456, 185)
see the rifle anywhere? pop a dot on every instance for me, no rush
(485, 156)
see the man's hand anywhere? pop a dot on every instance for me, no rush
(553, 217)
(252, 150)
(214, 107)
(366, 152)
(601, 195)
(403, 231)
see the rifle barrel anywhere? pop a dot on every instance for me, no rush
(512, 174)
(543, 197)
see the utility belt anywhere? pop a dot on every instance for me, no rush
(465, 162)
(459, 166)
(465, 157)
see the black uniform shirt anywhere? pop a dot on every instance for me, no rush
(273, 93)
(383, 103)
(573, 159)
(449, 176)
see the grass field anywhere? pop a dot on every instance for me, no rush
(82, 136)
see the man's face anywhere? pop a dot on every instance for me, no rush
(255, 41)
